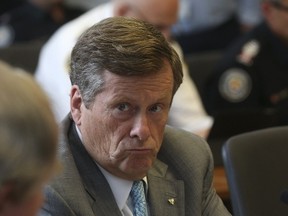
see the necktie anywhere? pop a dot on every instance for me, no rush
(137, 195)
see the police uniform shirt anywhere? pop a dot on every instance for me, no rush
(253, 74)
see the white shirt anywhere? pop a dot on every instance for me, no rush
(187, 111)
(121, 189)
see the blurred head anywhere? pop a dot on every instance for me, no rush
(160, 13)
(276, 15)
(28, 141)
(124, 75)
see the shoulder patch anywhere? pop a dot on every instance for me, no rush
(6, 36)
(235, 85)
(248, 52)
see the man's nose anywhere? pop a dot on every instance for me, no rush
(141, 128)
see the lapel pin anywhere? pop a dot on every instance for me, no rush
(171, 201)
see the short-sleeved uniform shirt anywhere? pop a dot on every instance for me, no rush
(252, 74)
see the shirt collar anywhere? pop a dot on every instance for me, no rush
(120, 187)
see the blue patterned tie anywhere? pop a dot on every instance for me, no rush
(137, 195)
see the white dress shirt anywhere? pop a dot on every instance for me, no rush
(121, 189)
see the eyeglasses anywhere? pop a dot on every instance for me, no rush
(280, 6)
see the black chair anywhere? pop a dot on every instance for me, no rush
(201, 66)
(230, 123)
(22, 55)
(256, 165)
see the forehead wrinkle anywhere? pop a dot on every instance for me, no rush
(124, 87)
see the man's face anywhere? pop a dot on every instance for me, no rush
(123, 129)
(160, 13)
(277, 17)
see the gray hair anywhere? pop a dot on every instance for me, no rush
(124, 46)
(28, 133)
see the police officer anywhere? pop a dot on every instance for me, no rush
(254, 72)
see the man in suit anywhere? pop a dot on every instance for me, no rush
(124, 74)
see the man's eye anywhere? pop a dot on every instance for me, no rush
(155, 108)
(123, 107)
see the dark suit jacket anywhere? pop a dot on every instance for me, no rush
(183, 171)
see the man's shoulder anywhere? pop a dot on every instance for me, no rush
(173, 134)
(178, 143)
(66, 190)
(186, 155)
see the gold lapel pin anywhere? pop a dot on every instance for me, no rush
(171, 201)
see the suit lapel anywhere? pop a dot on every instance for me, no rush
(165, 196)
(96, 185)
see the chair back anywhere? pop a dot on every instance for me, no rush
(22, 55)
(256, 165)
(201, 66)
(230, 123)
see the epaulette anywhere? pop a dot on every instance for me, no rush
(248, 52)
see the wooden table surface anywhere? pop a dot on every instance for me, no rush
(220, 183)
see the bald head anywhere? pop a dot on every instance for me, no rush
(161, 13)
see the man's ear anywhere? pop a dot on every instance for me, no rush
(75, 104)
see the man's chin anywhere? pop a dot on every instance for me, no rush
(138, 169)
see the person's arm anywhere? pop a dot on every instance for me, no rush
(187, 111)
(52, 71)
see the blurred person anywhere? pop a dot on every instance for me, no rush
(205, 25)
(34, 20)
(124, 75)
(85, 4)
(187, 110)
(253, 72)
(29, 136)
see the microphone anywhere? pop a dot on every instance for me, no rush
(284, 197)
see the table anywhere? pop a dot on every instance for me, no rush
(220, 183)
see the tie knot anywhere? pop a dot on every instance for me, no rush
(138, 199)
